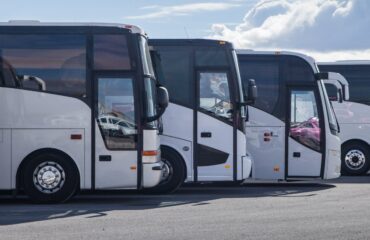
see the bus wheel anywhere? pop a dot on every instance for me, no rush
(173, 173)
(355, 159)
(50, 178)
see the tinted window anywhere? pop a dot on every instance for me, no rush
(297, 70)
(266, 74)
(7, 75)
(116, 104)
(150, 95)
(332, 92)
(358, 77)
(177, 74)
(103, 120)
(214, 95)
(145, 56)
(55, 63)
(210, 57)
(111, 52)
(304, 120)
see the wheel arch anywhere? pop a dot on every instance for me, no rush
(165, 147)
(39, 152)
(354, 141)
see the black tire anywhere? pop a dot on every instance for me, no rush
(177, 175)
(355, 159)
(66, 171)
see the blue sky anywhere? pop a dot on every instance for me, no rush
(197, 23)
(324, 29)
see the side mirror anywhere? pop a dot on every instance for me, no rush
(340, 96)
(162, 97)
(162, 101)
(40, 83)
(252, 91)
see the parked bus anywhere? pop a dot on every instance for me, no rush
(59, 84)
(204, 134)
(353, 115)
(292, 132)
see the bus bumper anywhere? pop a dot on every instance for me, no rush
(152, 174)
(333, 158)
(246, 167)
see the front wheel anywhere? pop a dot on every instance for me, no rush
(355, 159)
(50, 178)
(173, 174)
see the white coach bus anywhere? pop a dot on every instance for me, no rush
(292, 132)
(204, 134)
(353, 115)
(60, 84)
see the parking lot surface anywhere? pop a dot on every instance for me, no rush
(305, 210)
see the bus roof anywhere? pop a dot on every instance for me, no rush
(35, 23)
(346, 62)
(307, 58)
(190, 42)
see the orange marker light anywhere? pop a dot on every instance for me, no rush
(133, 167)
(150, 153)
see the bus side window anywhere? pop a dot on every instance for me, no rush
(8, 77)
(57, 62)
(266, 73)
(111, 52)
(177, 76)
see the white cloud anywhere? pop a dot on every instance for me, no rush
(336, 28)
(184, 9)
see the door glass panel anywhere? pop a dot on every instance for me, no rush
(304, 119)
(116, 113)
(214, 95)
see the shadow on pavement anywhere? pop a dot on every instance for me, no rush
(351, 179)
(98, 204)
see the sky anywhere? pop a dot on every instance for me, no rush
(325, 29)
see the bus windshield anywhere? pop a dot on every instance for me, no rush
(242, 91)
(333, 123)
(149, 79)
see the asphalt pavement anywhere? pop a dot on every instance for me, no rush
(337, 209)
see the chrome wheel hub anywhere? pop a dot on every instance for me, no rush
(49, 177)
(167, 171)
(355, 159)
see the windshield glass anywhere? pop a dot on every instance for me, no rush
(150, 93)
(145, 57)
(240, 86)
(333, 123)
(149, 81)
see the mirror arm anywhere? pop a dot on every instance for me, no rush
(246, 103)
(160, 112)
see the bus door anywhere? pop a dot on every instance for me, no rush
(116, 137)
(214, 123)
(304, 133)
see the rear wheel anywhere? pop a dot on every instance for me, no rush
(355, 159)
(50, 178)
(173, 174)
